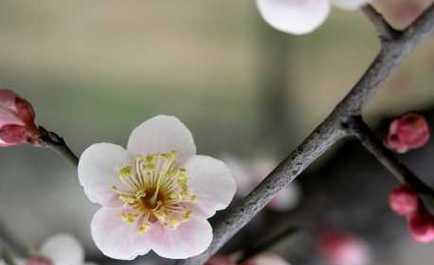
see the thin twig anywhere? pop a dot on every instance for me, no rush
(385, 31)
(57, 144)
(368, 139)
(323, 137)
(268, 244)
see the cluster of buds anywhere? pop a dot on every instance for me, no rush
(403, 200)
(410, 131)
(342, 248)
(17, 120)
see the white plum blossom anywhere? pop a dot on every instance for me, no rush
(249, 175)
(155, 195)
(60, 249)
(301, 16)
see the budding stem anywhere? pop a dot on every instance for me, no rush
(57, 144)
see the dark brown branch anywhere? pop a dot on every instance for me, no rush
(368, 139)
(383, 28)
(323, 137)
(57, 144)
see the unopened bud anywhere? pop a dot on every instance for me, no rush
(17, 117)
(408, 132)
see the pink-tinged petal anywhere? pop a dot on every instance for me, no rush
(98, 172)
(350, 4)
(115, 238)
(339, 248)
(187, 240)
(212, 182)
(267, 259)
(8, 109)
(245, 179)
(294, 16)
(63, 249)
(162, 134)
(286, 199)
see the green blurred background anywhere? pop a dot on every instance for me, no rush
(95, 69)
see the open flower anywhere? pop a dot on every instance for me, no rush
(300, 16)
(249, 175)
(340, 248)
(155, 195)
(60, 249)
(16, 120)
(410, 131)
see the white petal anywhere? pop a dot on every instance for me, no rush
(97, 172)
(162, 134)
(63, 249)
(294, 16)
(187, 240)
(212, 182)
(350, 4)
(115, 238)
(286, 199)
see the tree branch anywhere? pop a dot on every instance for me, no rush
(383, 28)
(324, 136)
(57, 144)
(368, 139)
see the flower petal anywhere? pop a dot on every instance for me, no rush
(97, 172)
(212, 182)
(115, 238)
(350, 4)
(162, 134)
(63, 249)
(294, 16)
(187, 240)
(8, 111)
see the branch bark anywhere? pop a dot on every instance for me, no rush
(392, 51)
(368, 139)
(57, 144)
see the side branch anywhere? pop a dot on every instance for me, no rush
(323, 137)
(383, 28)
(57, 144)
(368, 139)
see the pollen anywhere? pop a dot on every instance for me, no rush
(154, 189)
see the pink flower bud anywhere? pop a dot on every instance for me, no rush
(403, 200)
(343, 249)
(39, 260)
(17, 124)
(421, 226)
(408, 132)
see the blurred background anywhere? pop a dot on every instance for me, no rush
(96, 69)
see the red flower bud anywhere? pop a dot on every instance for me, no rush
(408, 132)
(39, 260)
(421, 226)
(403, 200)
(17, 117)
(343, 249)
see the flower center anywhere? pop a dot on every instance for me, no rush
(154, 189)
